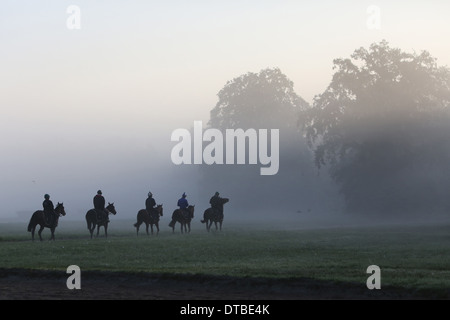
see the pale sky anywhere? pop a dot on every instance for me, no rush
(81, 105)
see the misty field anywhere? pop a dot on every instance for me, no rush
(412, 258)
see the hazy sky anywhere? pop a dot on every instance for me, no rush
(94, 107)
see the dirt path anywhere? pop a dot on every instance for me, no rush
(17, 284)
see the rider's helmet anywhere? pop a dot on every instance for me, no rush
(46, 196)
(150, 194)
(99, 192)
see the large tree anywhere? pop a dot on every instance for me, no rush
(257, 100)
(383, 128)
(264, 100)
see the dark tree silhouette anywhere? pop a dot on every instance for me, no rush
(382, 126)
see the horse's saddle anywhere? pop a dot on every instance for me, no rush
(185, 214)
(49, 218)
(153, 213)
(101, 216)
(217, 214)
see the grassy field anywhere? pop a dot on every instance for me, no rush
(410, 257)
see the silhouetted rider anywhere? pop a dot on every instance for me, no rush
(183, 204)
(217, 204)
(49, 210)
(99, 206)
(150, 203)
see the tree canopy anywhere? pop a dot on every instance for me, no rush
(382, 127)
(257, 100)
(264, 100)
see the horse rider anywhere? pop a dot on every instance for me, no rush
(99, 206)
(217, 204)
(183, 204)
(150, 203)
(49, 210)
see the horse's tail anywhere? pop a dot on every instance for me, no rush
(30, 225)
(175, 216)
(33, 221)
(88, 220)
(205, 216)
(139, 217)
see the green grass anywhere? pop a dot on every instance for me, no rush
(411, 257)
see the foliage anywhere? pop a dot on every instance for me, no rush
(257, 100)
(382, 127)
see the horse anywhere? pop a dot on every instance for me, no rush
(183, 218)
(38, 218)
(211, 215)
(149, 218)
(92, 221)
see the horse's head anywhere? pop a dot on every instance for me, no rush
(60, 209)
(159, 209)
(111, 208)
(225, 200)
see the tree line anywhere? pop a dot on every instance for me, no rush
(377, 140)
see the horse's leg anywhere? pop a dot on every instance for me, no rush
(52, 237)
(32, 233)
(157, 228)
(89, 226)
(220, 223)
(106, 230)
(40, 231)
(98, 230)
(210, 222)
(147, 228)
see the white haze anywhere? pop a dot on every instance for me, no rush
(89, 109)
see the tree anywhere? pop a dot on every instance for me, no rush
(264, 100)
(382, 128)
(257, 100)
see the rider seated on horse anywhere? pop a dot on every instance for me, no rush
(150, 203)
(49, 211)
(217, 204)
(99, 206)
(183, 204)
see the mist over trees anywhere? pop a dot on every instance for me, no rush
(382, 129)
(265, 100)
(377, 139)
